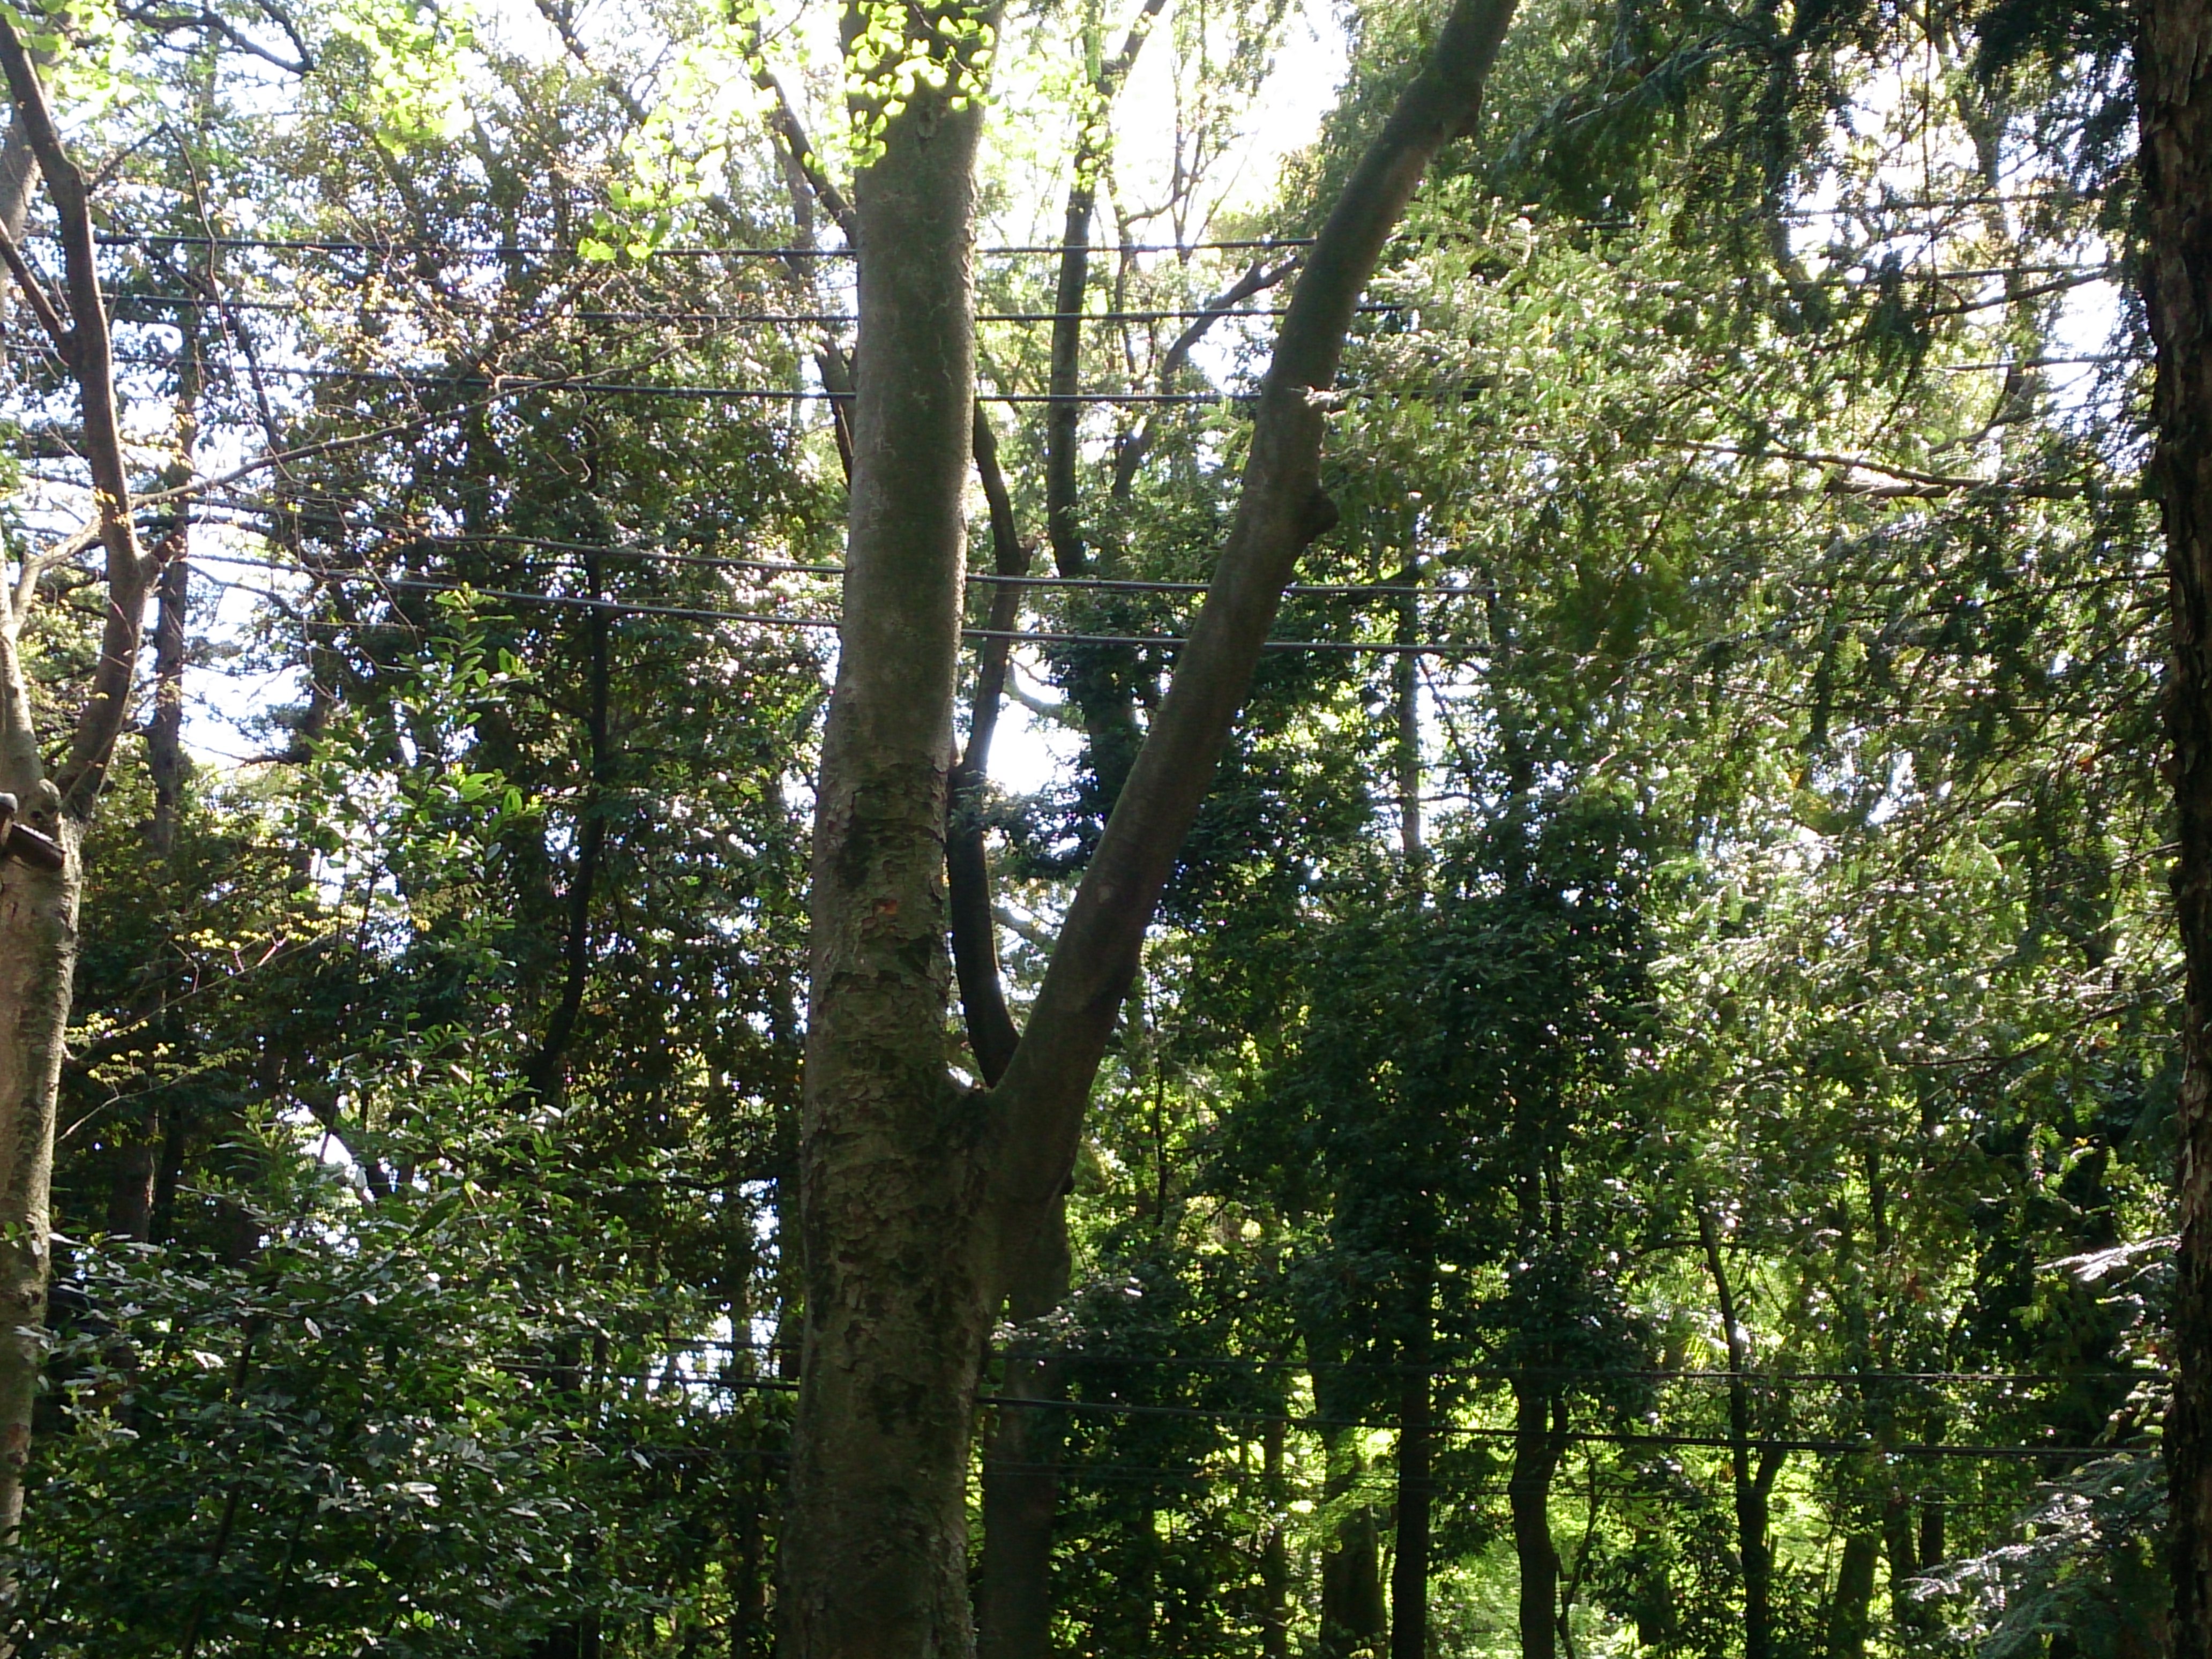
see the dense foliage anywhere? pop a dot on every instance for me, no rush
(1667, 1013)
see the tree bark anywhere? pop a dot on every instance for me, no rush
(38, 958)
(1409, 1565)
(1013, 1602)
(1274, 1552)
(2173, 83)
(1353, 1617)
(1529, 1496)
(1849, 1614)
(1907, 1614)
(1752, 1479)
(38, 904)
(919, 1196)
(1100, 680)
(1037, 1111)
(899, 1288)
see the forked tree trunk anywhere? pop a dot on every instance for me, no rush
(2173, 82)
(918, 1193)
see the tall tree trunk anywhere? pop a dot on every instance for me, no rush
(899, 1293)
(2174, 84)
(38, 959)
(1906, 1613)
(1013, 1602)
(1101, 680)
(173, 603)
(1409, 1565)
(41, 879)
(1536, 1449)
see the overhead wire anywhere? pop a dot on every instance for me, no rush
(660, 553)
(125, 237)
(1315, 1422)
(785, 619)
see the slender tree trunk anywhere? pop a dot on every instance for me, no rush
(173, 601)
(1850, 1613)
(1406, 672)
(1752, 1480)
(1933, 1551)
(1353, 1617)
(165, 733)
(1905, 1612)
(2173, 83)
(131, 1184)
(1100, 680)
(1013, 1603)
(748, 1595)
(1274, 1552)
(1409, 1565)
(1529, 1496)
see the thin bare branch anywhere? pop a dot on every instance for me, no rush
(34, 291)
(1131, 455)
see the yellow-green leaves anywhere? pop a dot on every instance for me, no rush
(407, 81)
(898, 57)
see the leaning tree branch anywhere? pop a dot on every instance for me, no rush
(35, 567)
(1036, 1111)
(991, 1032)
(91, 362)
(806, 176)
(793, 131)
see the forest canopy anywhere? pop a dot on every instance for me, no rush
(1194, 827)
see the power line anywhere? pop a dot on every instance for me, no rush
(522, 386)
(1508, 1373)
(662, 554)
(758, 619)
(1653, 1438)
(785, 252)
(502, 388)
(680, 251)
(798, 319)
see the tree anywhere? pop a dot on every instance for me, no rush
(2173, 89)
(41, 874)
(918, 1195)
